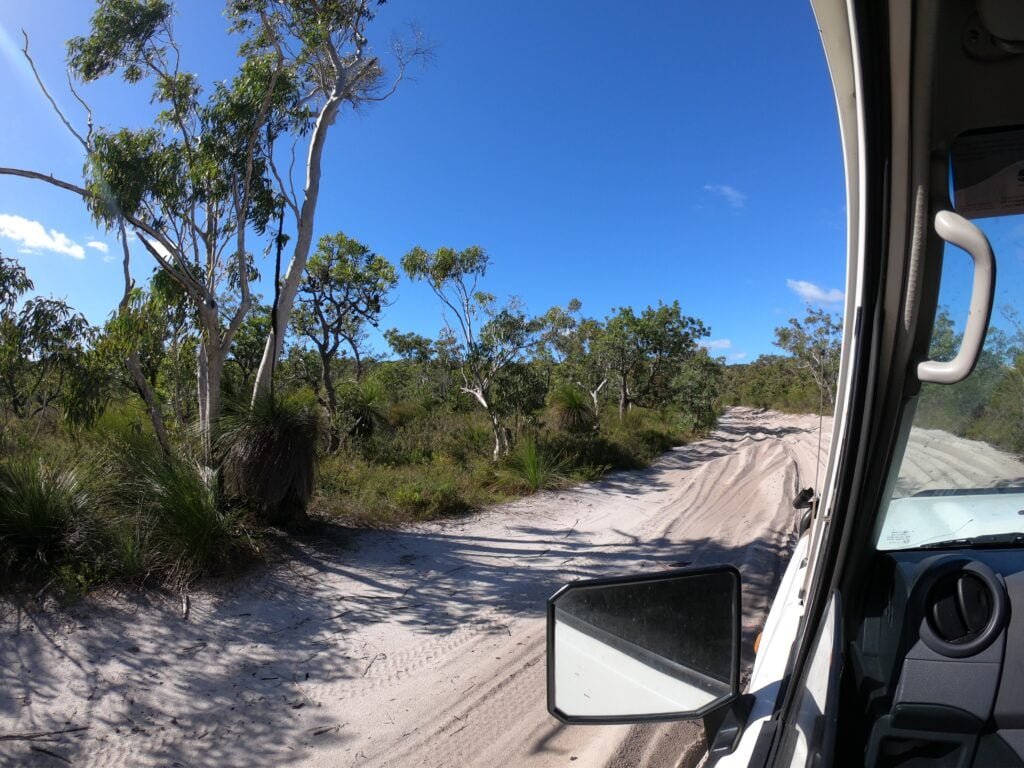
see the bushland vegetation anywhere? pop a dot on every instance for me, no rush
(987, 406)
(801, 381)
(104, 477)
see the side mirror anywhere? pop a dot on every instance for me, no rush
(646, 648)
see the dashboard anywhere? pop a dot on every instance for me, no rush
(937, 664)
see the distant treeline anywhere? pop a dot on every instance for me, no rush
(987, 406)
(802, 381)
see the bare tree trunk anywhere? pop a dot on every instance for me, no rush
(499, 438)
(214, 377)
(623, 398)
(149, 397)
(327, 377)
(203, 388)
(132, 362)
(594, 393)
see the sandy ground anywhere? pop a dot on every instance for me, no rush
(938, 460)
(420, 647)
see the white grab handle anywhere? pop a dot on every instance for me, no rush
(958, 231)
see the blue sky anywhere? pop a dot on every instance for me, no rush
(618, 154)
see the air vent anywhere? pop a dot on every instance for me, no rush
(961, 608)
(965, 608)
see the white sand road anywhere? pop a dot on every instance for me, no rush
(417, 647)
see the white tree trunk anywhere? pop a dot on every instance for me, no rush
(303, 241)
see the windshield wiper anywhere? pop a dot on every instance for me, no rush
(990, 540)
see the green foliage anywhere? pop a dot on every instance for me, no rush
(45, 359)
(571, 409)
(367, 493)
(162, 517)
(697, 390)
(344, 290)
(815, 344)
(41, 512)
(772, 381)
(251, 338)
(989, 404)
(121, 33)
(362, 408)
(190, 533)
(528, 469)
(269, 456)
(644, 352)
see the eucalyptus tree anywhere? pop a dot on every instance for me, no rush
(485, 340)
(325, 45)
(43, 347)
(645, 351)
(583, 359)
(344, 290)
(815, 343)
(193, 185)
(203, 181)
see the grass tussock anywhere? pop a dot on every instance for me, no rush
(42, 516)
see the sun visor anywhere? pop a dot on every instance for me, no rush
(988, 173)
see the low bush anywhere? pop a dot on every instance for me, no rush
(163, 516)
(42, 516)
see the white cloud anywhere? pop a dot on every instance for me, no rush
(34, 237)
(99, 246)
(733, 196)
(815, 294)
(736, 357)
(717, 344)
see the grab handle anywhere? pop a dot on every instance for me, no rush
(958, 231)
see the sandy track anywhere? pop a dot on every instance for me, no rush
(423, 646)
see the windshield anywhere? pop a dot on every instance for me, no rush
(961, 476)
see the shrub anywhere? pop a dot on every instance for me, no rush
(42, 515)
(426, 499)
(189, 534)
(163, 516)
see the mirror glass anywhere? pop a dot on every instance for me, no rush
(645, 647)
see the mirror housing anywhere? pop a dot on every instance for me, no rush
(650, 648)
